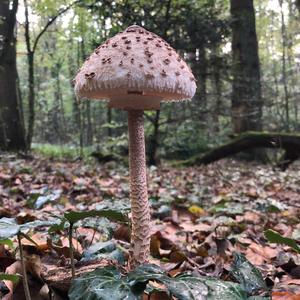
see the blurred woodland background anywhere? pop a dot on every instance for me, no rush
(245, 56)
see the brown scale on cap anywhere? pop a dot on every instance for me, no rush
(128, 47)
(125, 53)
(149, 76)
(145, 42)
(148, 53)
(132, 60)
(150, 61)
(141, 65)
(124, 37)
(114, 45)
(121, 63)
(130, 29)
(177, 73)
(90, 75)
(127, 42)
(166, 61)
(163, 73)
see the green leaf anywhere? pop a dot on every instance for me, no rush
(186, 287)
(102, 284)
(275, 237)
(7, 242)
(111, 214)
(12, 277)
(51, 196)
(106, 250)
(247, 275)
(224, 290)
(8, 228)
(108, 283)
(39, 223)
(59, 226)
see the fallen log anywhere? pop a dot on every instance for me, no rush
(290, 143)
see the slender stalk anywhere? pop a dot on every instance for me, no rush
(71, 250)
(140, 211)
(25, 280)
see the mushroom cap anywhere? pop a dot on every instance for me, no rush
(135, 69)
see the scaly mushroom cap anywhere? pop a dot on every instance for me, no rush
(135, 69)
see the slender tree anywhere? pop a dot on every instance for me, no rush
(31, 46)
(12, 135)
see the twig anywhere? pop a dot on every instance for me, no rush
(25, 280)
(71, 250)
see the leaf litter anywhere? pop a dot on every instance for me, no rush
(201, 217)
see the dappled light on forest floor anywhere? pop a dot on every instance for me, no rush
(201, 216)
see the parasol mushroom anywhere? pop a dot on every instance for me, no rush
(136, 70)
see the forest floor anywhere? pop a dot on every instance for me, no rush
(200, 215)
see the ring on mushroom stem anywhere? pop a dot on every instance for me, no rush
(136, 85)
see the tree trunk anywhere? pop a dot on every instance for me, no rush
(76, 103)
(248, 140)
(246, 90)
(284, 72)
(12, 134)
(153, 160)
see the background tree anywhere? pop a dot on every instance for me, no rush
(12, 136)
(200, 30)
(246, 94)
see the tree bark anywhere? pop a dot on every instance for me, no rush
(284, 72)
(153, 159)
(140, 211)
(246, 89)
(12, 134)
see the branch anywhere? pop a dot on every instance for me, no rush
(51, 21)
(27, 37)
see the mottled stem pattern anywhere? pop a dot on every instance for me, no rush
(140, 211)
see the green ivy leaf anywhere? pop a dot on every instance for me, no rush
(113, 215)
(108, 283)
(9, 227)
(103, 284)
(247, 275)
(106, 250)
(275, 237)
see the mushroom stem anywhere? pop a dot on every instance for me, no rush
(140, 211)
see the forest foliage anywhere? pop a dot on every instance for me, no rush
(200, 30)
